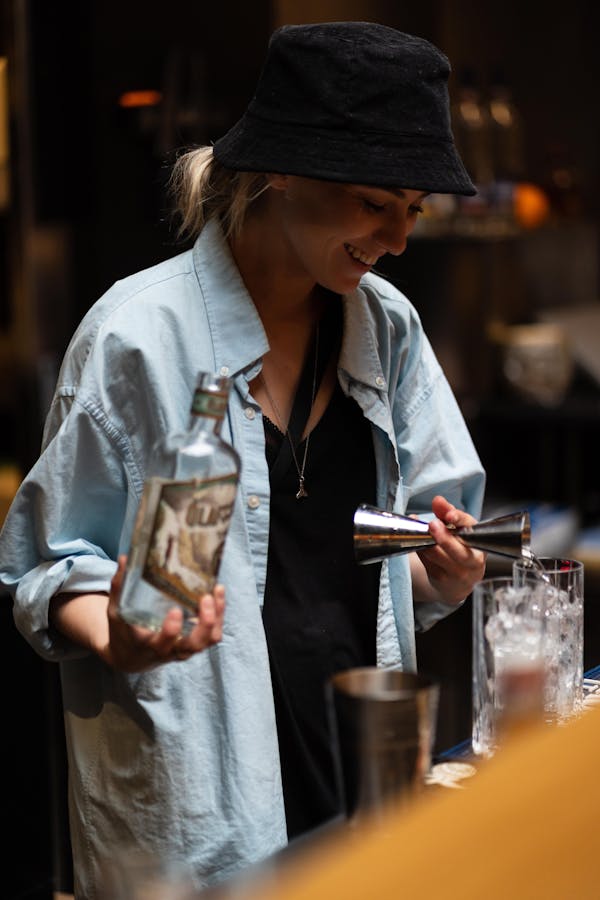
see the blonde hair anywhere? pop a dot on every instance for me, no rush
(203, 189)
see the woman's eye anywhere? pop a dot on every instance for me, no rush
(415, 209)
(373, 207)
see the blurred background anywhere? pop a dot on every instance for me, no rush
(95, 99)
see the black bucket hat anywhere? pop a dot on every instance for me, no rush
(355, 102)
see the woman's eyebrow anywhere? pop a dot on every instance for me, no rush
(400, 192)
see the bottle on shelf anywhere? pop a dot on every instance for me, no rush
(184, 515)
(506, 129)
(472, 131)
(562, 182)
(506, 142)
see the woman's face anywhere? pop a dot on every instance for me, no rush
(335, 233)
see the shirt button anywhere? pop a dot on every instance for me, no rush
(253, 501)
(250, 413)
(380, 381)
(224, 371)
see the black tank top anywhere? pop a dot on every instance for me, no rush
(320, 609)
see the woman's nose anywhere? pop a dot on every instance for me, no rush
(393, 236)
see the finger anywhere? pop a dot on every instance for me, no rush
(443, 509)
(205, 633)
(456, 549)
(448, 543)
(453, 582)
(210, 618)
(219, 595)
(162, 642)
(208, 610)
(450, 514)
(182, 649)
(171, 644)
(464, 567)
(460, 519)
(216, 634)
(209, 629)
(117, 579)
(172, 625)
(116, 584)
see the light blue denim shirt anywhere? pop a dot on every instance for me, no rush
(183, 759)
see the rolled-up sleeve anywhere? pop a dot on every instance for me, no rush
(62, 531)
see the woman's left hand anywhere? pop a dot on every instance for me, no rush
(452, 567)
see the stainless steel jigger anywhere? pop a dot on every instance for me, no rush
(379, 534)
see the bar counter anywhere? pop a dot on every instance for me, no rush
(523, 827)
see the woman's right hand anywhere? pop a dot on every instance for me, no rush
(132, 648)
(93, 621)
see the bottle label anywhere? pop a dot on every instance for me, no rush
(209, 404)
(187, 537)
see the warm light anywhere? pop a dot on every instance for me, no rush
(471, 113)
(134, 99)
(501, 113)
(530, 204)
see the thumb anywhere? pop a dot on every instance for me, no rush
(117, 581)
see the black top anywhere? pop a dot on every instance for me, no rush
(320, 608)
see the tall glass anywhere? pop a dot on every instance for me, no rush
(564, 634)
(508, 656)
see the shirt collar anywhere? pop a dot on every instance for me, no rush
(360, 352)
(238, 336)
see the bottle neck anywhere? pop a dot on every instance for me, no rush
(208, 410)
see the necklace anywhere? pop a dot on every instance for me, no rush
(302, 492)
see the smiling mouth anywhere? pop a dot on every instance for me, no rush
(359, 256)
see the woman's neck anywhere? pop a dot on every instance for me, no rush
(289, 304)
(282, 291)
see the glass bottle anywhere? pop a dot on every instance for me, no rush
(506, 130)
(472, 133)
(507, 146)
(184, 515)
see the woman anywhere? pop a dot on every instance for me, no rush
(217, 761)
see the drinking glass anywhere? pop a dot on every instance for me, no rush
(564, 634)
(508, 656)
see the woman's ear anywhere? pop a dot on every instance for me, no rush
(277, 181)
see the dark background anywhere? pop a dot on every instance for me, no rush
(87, 206)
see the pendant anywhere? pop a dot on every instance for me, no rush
(301, 490)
